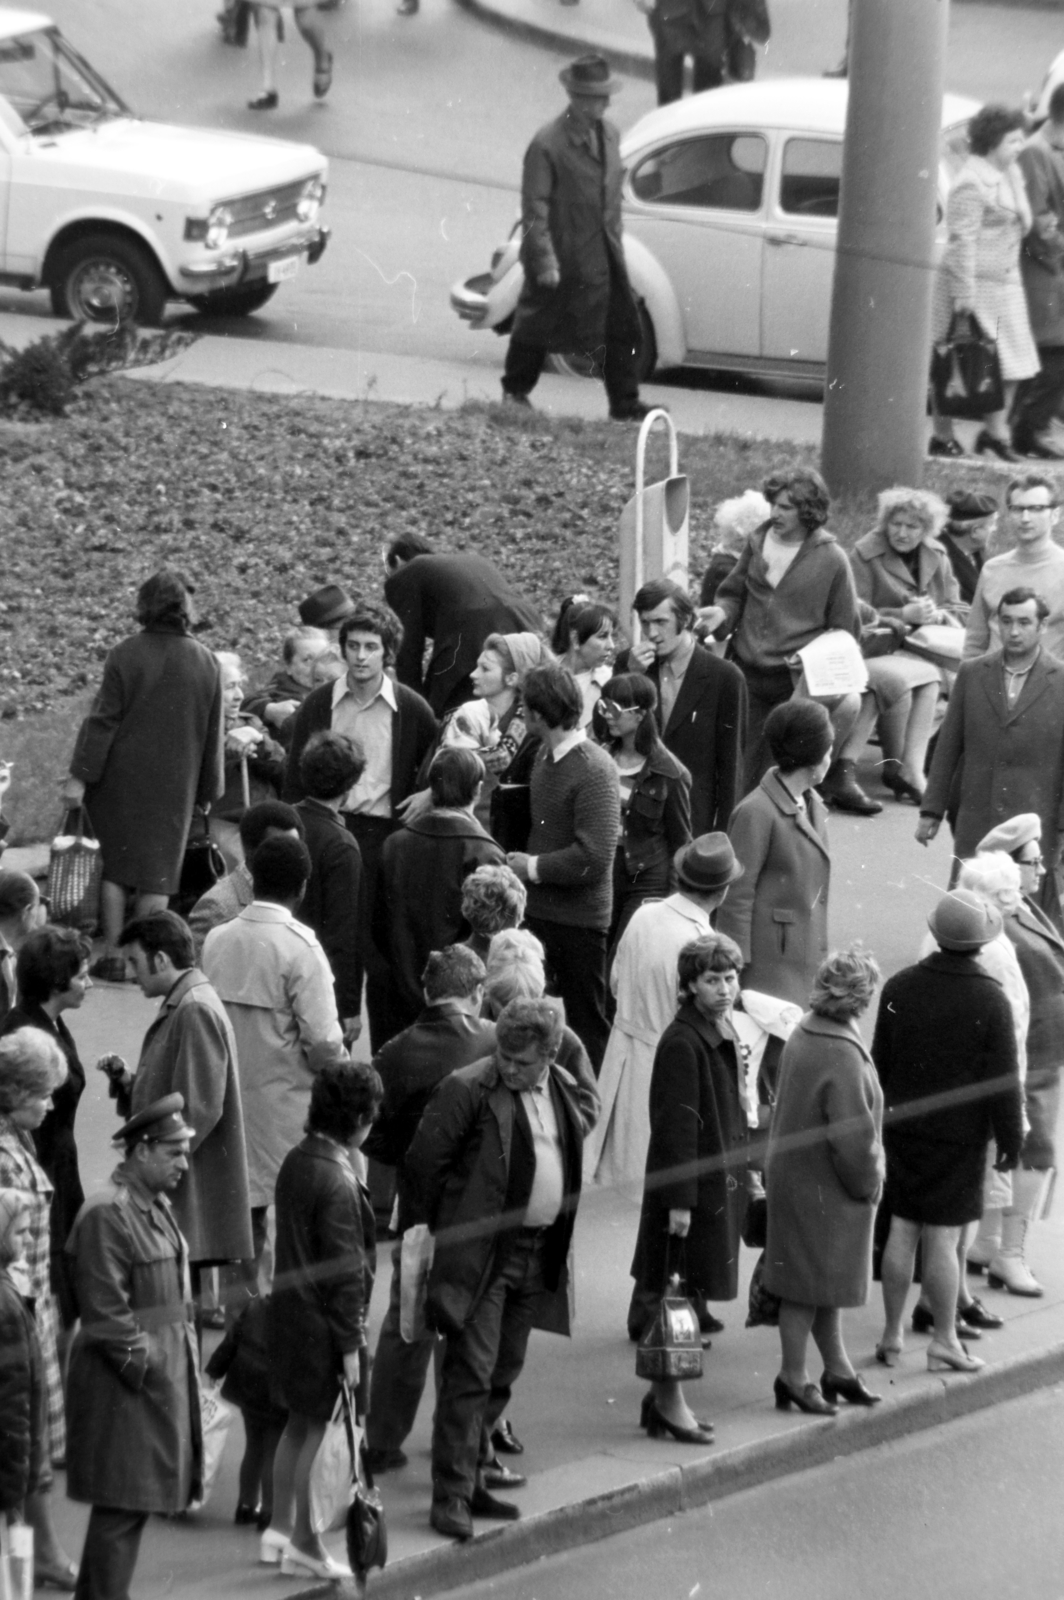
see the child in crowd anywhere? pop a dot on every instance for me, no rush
(278, 702)
(254, 763)
(242, 1361)
(22, 1425)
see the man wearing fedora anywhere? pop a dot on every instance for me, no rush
(134, 1444)
(643, 981)
(576, 297)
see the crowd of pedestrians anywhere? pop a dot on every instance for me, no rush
(584, 895)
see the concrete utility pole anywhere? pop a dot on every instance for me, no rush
(879, 347)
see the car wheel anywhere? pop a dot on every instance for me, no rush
(104, 277)
(238, 302)
(580, 366)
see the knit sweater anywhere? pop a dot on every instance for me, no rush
(1045, 575)
(772, 624)
(576, 822)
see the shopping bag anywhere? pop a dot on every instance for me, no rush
(332, 1477)
(415, 1264)
(216, 1415)
(966, 371)
(367, 1531)
(671, 1347)
(74, 871)
(16, 1560)
(202, 866)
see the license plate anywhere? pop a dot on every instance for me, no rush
(278, 271)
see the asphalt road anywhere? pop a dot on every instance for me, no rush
(425, 128)
(969, 1511)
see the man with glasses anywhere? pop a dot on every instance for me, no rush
(1036, 561)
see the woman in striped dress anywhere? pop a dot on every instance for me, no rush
(31, 1068)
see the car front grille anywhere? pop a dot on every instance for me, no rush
(269, 208)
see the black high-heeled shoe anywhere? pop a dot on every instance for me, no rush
(648, 1406)
(900, 787)
(658, 1426)
(985, 440)
(245, 1515)
(807, 1399)
(851, 1389)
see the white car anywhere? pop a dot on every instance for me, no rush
(116, 215)
(730, 203)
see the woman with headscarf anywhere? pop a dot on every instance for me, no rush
(147, 753)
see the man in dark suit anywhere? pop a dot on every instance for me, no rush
(394, 730)
(497, 1163)
(701, 702)
(330, 766)
(448, 1034)
(1000, 749)
(456, 601)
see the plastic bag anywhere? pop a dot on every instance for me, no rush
(216, 1415)
(16, 1560)
(415, 1263)
(332, 1477)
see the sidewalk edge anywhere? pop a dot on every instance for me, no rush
(633, 62)
(441, 1571)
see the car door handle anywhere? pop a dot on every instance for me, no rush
(783, 238)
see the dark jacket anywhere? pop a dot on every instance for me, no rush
(657, 820)
(133, 1374)
(1040, 952)
(696, 1159)
(22, 1414)
(1006, 761)
(323, 1274)
(411, 1065)
(473, 1137)
(149, 750)
(331, 903)
(1042, 259)
(242, 1364)
(57, 1151)
(456, 601)
(413, 730)
(571, 222)
(944, 1029)
(967, 565)
(706, 732)
(768, 625)
(419, 893)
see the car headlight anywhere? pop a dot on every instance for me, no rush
(309, 203)
(212, 231)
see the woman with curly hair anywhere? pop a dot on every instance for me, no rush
(147, 753)
(791, 583)
(493, 899)
(904, 572)
(988, 215)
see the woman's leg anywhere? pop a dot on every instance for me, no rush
(796, 1322)
(266, 34)
(146, 903)
(899, 1259)
(303, 1536)
(285, 1465)
(827, 1335)
(271, 1438)
(310, 26)
(861, 732)
(670, 1402)
(112, 914)
(941, 1273)
(47, 1550)
(997, 423)
(918, 728)
(252, 1467)
(941, 427)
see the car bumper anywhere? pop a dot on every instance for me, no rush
(235, 267)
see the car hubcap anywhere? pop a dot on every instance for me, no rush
(102, 291)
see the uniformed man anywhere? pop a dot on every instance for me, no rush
(133, 1412)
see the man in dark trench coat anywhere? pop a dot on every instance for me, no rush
(133, 1410)
(576, 297)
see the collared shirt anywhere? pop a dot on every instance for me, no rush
(670, 680)
(574, 737)
(371, 726)
(548, 1185)
(1015, 681)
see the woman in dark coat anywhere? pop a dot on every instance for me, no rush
(323, 1277)
(696, 1162)
(944, 1035)
(149, 750)
(655, 797)
(777, 912)
(823, 1176)
(22, 1417)
(53, 977)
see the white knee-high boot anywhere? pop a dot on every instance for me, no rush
(987, 1242)
(1008, 1269)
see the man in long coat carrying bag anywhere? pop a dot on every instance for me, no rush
(133, 1409)
(576, 297)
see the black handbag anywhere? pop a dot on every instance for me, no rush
(201, 868)
(671, 1346)
(966, 370)
(367, 1531)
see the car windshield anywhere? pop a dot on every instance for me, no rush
(48, 87)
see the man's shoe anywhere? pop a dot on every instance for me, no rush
(509, 399)
(505, 1439)
(268, 100)
(385, 1460)
(634, 412)
(841, 790)
(944, 447)
(452, 1518)
(1039, 445)
(484, 1504)
(495, 1476)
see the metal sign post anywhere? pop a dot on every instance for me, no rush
(653, 529)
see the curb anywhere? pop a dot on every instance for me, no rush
(678, 1489)
(633, 62)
